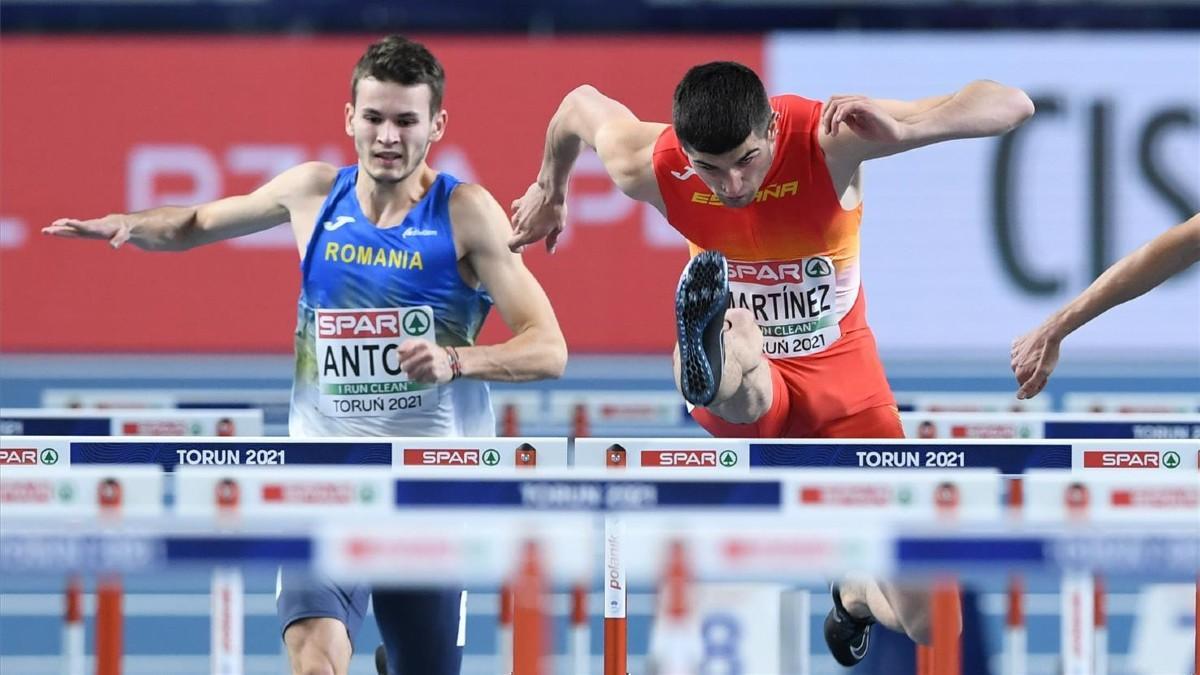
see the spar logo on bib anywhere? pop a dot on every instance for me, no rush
(343, 324)
(817, 267)
(794, 303)
(358, 360)
(415, 323)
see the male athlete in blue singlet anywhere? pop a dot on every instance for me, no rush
(400, 265)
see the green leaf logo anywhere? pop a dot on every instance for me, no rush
(415, 322)
(817, 268)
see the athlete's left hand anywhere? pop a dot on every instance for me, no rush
(425, 362)
(536, 216)
(866, 118)
(1033, 357)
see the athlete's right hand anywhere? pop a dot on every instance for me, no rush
(114, 229)
(1033, 357)
(536, 216)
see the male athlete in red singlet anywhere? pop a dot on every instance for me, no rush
(770, 311)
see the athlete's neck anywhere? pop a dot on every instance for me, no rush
(385, 204)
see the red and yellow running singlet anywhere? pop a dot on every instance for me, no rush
(793, 263)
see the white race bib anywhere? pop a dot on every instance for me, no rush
(793, 303)
(358, 361)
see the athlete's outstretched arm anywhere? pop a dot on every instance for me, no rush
(1035, 354)
(858, 128)
(537, 349)
(178, 228)
(623, 142)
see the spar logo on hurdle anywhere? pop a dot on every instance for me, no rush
(683, 457)
(18, 456)
(450, 457)
(525, 455)
(1130, 459)
(28, 457)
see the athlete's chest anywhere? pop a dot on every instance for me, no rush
(769, 231)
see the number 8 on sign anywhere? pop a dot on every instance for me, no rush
(721, 637)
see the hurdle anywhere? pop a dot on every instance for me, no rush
(529, 614)
(675, 588)
(76, 422)
(1099, 628)
(1012, 457)
(660, 479)
(504, 631)
(97, 420)
(426, 547)
(510, 420)
(616, 626)
(1001, 426)
(1084, 499)
(73, 645)
(580, 647)
(274, 403)
(91, 456)
(746, 493)
(734, 455)
(1015, 638)
(581, 424)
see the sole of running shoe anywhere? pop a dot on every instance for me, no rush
(700, 303)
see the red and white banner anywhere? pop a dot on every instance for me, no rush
(182, 120)
(187, 120)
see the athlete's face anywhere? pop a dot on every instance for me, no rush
(392, 128)
(737, 175)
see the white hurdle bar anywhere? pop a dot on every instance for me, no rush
(100, 453)
(398, 550)
(1126, 504)
(1012, 454)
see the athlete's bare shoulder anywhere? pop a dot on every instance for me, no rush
(470, 198)
(629, 136)
(626, 147)
(475, 214)
(305, 181)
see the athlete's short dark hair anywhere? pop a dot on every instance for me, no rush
(717, 105)
(400, 60)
